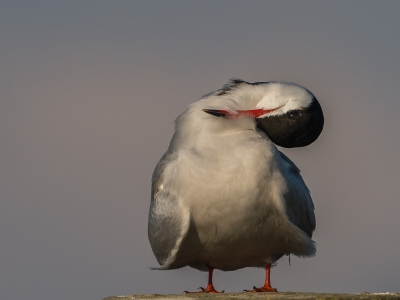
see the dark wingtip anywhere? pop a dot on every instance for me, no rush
(216, 112)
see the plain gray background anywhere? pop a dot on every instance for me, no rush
(90, 90)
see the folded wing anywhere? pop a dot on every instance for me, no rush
(299, 205)
(168, 220)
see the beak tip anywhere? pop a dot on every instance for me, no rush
(216, 112)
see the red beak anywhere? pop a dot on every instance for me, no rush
(255, 113)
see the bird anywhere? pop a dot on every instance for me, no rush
(223, 196)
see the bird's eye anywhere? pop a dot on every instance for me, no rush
(293, 114)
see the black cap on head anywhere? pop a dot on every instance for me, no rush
(295, 128)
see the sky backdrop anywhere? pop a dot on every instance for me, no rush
(89, 91)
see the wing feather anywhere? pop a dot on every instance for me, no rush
(299, 205)
(168, 220)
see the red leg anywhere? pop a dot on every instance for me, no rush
(210, 287)
(267, 284)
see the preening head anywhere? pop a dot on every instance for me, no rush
(289, 114)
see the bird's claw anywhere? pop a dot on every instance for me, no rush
(263, 289)
(200, 288)
(203, 290)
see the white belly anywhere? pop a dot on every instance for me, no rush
(235, 202)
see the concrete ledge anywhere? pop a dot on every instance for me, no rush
(260, 296)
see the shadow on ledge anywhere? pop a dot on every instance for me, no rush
(256, 296)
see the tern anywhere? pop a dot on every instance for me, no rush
(223, 196)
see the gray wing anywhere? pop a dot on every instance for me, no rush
(299, 205)
(168, 221)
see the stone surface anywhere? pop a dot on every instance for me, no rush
(260, 296)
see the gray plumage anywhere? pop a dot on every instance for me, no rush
(223, 195)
